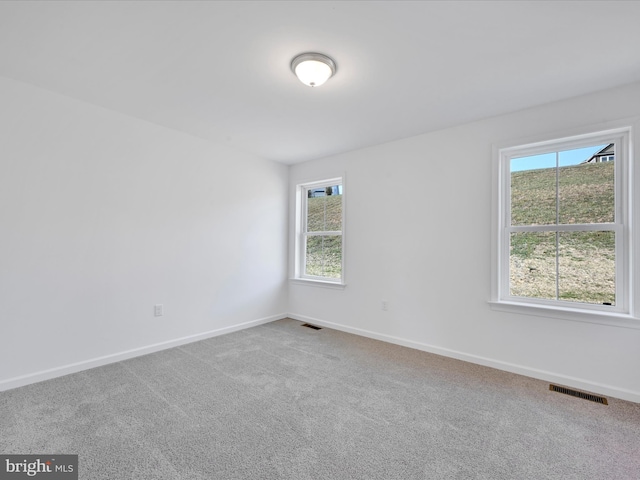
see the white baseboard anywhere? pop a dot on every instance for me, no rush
(117, 357)
(581, 384)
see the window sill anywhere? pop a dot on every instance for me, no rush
(317, 283)
(589, 316)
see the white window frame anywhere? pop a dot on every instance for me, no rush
(301, 234)
(621, 314)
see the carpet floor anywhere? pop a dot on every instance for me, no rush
(281, 401)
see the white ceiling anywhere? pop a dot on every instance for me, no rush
(220, 70)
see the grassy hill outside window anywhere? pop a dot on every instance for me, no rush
(319, 239)
(563, 236)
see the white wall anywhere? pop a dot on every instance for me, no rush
(418, 233)
(102, 216)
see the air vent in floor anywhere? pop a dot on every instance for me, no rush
(575, 393)
(311, 326)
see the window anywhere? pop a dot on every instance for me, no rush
(319, 239)
(563, 234)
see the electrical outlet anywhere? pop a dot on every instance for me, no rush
(157, 310)
(384, 305)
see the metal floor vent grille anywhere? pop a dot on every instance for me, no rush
(311, 326)
(575, 393)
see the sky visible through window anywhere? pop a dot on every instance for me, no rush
(548, 160)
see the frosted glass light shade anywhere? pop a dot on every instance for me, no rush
(313, 69)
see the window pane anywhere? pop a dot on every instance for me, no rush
(584, 192)
(586, 267)
(533, 190)
(586, 188)
(324, 256)
(324, 209)
(532, 265)
(334, 208)
(315, 211)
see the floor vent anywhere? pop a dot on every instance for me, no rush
(575, 393)
(311, 326)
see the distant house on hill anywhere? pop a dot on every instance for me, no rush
(607, 154)
(325, 191)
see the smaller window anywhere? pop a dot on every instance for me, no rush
(319, 239)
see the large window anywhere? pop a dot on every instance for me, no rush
(563, 231)
(319, 239)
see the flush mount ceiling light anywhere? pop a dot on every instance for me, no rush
(313, 69)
